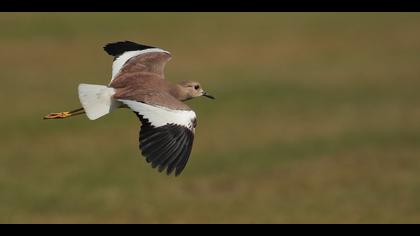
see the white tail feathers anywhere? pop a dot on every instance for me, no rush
(97, 100)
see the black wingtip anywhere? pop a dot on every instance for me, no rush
(117, 48)
(165, 147)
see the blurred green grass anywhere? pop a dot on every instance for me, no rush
(316, 119)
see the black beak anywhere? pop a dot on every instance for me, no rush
(205, 94)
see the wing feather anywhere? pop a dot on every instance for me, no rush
(130, 57)
(166, 136)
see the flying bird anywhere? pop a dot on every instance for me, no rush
(138, 83)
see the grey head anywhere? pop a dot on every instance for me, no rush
(191, 89)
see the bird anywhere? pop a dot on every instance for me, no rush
(167, 124)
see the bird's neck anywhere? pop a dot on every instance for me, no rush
(179, 93)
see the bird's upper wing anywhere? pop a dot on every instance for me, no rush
(130, 57)
(166, 135)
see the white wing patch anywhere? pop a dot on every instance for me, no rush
(123, 58)
(159, 116)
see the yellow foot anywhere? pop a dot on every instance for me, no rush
(59, 115)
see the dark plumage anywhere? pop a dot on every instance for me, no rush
(118, 48)
(166, 147)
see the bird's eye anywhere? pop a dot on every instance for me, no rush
(197, 87)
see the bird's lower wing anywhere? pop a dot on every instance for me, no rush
(166, 135)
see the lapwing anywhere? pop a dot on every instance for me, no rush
(167, 124)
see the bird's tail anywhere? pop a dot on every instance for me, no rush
(97, 100)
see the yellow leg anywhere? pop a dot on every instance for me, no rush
(64, 114)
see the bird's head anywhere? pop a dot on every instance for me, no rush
(192, 89)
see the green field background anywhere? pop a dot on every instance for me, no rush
(317, 119)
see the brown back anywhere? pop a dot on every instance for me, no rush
(142, 79)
